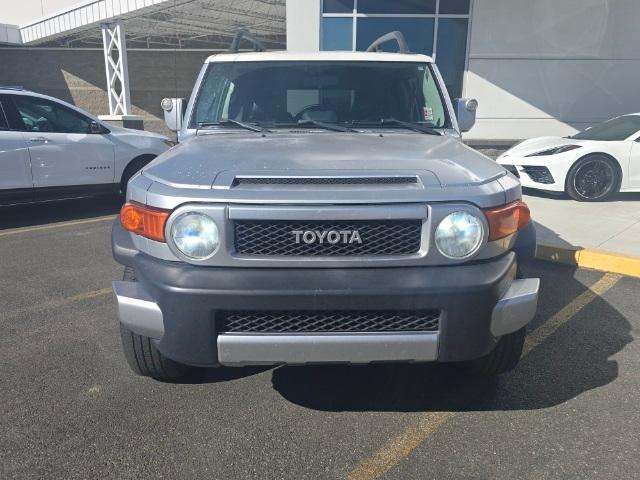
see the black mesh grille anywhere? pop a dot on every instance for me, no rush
(328, 321)
(378, 237)
(325, 180)
(539, 174)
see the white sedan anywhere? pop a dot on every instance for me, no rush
(50, 150)
(590, 166)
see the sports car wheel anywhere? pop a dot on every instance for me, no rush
(593, 179)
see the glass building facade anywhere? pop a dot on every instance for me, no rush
(438, 28)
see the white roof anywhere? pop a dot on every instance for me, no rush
(161, 23)
(313, 56)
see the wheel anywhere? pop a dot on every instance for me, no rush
(594, 178)
(134, 167)
(503, 358)
(143, 356)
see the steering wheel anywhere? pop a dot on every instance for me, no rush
(309, 108)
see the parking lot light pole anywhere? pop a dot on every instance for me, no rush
(117, 71)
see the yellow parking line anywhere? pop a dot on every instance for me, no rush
(537, 336)
(51, 304)
(590, 258)
(400, 447)
(55, 225)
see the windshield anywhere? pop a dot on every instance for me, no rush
(617, 129)
(337, 92)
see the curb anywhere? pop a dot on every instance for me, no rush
(590, 258)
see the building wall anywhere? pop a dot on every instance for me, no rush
(550, 67)
(9, 34)
(78, 77)
(303, 25)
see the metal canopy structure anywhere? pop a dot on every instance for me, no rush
(206, 24)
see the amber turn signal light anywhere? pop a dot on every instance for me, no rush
(146, 221)
(507, 220)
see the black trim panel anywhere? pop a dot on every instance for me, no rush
(75, 191)
(14, 196)
(18, 196)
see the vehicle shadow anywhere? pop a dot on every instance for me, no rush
(574, 360)
(198, 376)
(59, 211)
(619, 197)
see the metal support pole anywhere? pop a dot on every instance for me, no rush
(117, 70)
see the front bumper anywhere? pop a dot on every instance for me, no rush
(176, 304)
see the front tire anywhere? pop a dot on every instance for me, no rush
(503, 358)
(594, 178)
(142, 355)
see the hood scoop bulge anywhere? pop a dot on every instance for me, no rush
(337, 180)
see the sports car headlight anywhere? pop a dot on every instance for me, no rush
(459, 235)
(554, 151)
(196, 235)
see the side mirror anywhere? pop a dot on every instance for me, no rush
(95, 127)
(466, 113)
(173, 112)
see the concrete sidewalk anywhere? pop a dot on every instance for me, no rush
(604, 236)
(613, 226)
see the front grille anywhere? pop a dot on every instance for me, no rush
(284, 237)
(325, 180)
(328, 321)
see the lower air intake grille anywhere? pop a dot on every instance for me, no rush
(327, 238)
(325, 180)
(512, 169)
(539, 174)
(328, 321)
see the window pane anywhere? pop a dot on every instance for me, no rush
(337, 34)
(616, 129)
(417, 31)
(458, 7)
(280, 93)
(40, 115)
(451, 55)
(397, 6)
(337, 6)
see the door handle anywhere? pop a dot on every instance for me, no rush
(38, 140)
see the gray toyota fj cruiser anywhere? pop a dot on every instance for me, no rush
(321, 207)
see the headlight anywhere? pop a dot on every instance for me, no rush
(195, 235)
(554, 151)
(459, 235)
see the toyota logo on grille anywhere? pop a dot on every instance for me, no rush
(332, 237)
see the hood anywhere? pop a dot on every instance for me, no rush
(121, 131)
(538, 144)
(210, 160)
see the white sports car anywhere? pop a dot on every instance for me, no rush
(589, 166)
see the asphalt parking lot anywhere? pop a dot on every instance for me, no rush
(70, 407)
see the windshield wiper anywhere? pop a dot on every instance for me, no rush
(327, 126)
(229, 121)
(411, 126)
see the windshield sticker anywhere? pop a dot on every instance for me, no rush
(428, 114)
